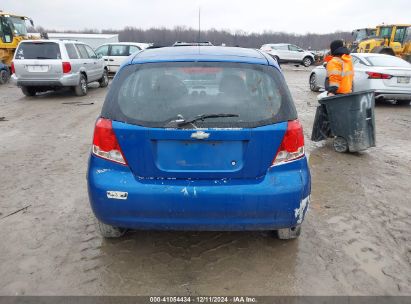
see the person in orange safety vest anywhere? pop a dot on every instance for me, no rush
(340, 73)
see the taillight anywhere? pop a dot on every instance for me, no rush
(375, 75)
(13, 70)
(66, 67)
(105, 144)
(292, 146)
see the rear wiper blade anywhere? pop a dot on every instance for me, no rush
(204, 116)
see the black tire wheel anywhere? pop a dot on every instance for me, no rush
(403, 102)
(108, 231)
(383, 50)
(313, 83)
(29, 91)
(81, 89)
(4, 76)
(307, 61)
(289, 233)
(104, 79)
(340, 144)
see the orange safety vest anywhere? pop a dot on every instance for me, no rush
(340, 74)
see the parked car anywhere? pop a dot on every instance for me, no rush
(387, 75)
(4, 73)
(283, 52)
(43, 65)
(116, 53)
(202, 43)
(199, 138)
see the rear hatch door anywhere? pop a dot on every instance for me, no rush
(225, 153)
(38, 60)
(201, 120)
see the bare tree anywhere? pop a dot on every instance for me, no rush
(164, 36)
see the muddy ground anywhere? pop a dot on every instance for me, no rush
(356, 239)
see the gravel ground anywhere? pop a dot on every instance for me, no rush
(356, 239)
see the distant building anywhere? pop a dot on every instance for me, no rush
(94, 40)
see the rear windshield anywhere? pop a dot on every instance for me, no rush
(388, 61)
(153, 94)
(38, 50)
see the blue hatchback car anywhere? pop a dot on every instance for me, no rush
(199, 138)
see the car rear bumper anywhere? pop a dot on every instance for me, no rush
(393, 95)
(277, 200)
(64, 81)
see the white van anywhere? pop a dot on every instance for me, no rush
(43, 65)
(115, 53)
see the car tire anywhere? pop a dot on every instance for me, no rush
(104, 79)
(313, 83)
(307, 61)
(81, 89)
(110, 232)
(403, 102)
(4, 76)
(29, 91)
(383, 50)
(289, 233)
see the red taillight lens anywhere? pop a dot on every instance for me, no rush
(66, 67)
(105, 144)
(375, 75)
(292, 146)
(13, 70)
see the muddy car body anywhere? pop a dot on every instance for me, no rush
(199, 138)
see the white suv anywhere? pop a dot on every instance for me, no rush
(283, 52)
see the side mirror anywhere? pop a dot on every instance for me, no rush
(99, 56)
(324, 64)
(300, 50)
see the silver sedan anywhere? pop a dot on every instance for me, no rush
(387, 75)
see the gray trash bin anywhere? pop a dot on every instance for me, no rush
(351, 120)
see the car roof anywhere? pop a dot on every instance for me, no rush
(363, 55)
(53, 40)
(126, 43)
(367, 55)
(200, 53)
(278, 43)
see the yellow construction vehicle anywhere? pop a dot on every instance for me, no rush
(13, 29)
(389, 39)
(359, 35)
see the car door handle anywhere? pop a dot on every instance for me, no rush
(84, 62)
(105, 59)
(111, 59)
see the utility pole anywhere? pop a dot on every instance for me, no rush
(199, 23)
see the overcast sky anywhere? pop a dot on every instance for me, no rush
(297, 16)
